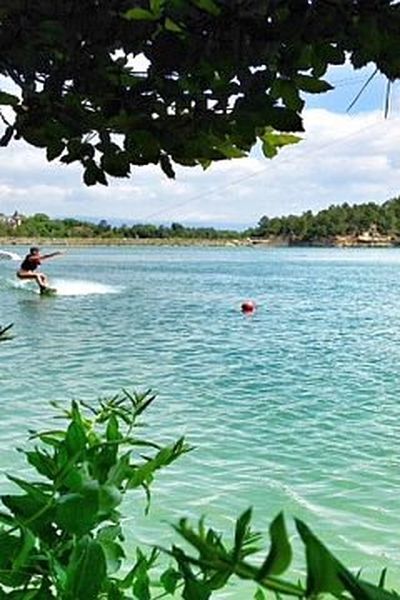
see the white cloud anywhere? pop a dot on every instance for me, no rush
(352, 158)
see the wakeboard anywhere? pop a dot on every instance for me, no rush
(4, 330)
(48, 291)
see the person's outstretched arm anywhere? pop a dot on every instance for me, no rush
(51, 255)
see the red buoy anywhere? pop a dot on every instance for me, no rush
(248, 306)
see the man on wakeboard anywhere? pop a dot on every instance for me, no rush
(31, 262)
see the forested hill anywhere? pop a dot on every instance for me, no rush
(335, 221)
(330, 224)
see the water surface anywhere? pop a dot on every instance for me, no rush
(294, 408)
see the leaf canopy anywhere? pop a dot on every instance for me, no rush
(219, 72)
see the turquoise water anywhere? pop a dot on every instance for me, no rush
(296, 407)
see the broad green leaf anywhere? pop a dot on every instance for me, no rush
(109, 533)
(362, 590)
(324, 571)
(75, 439)
(140, 14)
(259, 595)
(312, 85)
(195, 590)
(54, 150)
(114, 554)
(92, 174)
(173, 26)
(32, 490)
(116, 164)
(28, 541)
(109, 498)
(43, 463)
(112, 431)
(29, 510)
(283, 119)
(156, 7)
(209, 6)
(9, 99)
(141, 585)
(86, 571)
(169, 580)
(272, 141)
(280, 553)
(269, 149)
(230, 150)
(287, 90)
(77, 512)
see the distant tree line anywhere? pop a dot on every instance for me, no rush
(337, 220)
(42, 226)
(343, 220)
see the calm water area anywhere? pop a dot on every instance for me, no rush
(296, 407)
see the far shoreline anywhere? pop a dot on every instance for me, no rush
(361, 241)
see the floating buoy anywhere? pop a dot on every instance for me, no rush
(248, 306)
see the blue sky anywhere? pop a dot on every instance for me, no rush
(343, 157)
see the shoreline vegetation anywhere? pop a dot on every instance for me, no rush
(365, 240)
(368, 225)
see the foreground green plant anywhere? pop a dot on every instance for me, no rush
(62, 537)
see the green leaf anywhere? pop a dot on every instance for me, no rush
(284, 119)
(280, 553)
(312, 85)
(109, 498)
(93, 174)
(324, 571)
(141, 586)
(241, 531)
(156, 7)
(169, 580)
(75, 439)
(259, 595)
(54, 149)
(112, 431)
(166, 166)
(114, 555)
(269, 149)
(209, 6)
(43, 463)
(116, 164)
(5, 140)
(77, 513)
(230, 150)
(8, 99)
(29, 509)
(86, 571)
(272, 141)
(28, 541)
(287, 90)
(171, 25)
(140, 14)
(362, 590)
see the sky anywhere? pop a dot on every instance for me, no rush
(343, 157)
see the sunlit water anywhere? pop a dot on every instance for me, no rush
(296, 407)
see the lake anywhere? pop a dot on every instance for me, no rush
(295, 407)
